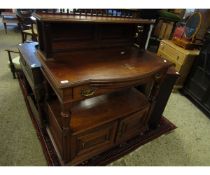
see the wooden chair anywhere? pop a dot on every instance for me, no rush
(14, 61)
(27, 28)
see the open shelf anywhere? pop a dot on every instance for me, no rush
(102, 109)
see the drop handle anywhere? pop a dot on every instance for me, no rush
(87, 92)
(157, 76)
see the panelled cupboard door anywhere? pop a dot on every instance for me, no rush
(132, 125)
(92, 142)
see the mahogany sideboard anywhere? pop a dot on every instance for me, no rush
(101, 88)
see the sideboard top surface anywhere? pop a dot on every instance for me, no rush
(102, 66)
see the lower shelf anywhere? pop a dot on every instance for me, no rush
(102, 109)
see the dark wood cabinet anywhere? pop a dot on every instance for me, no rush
(92, 73)
(197, 86)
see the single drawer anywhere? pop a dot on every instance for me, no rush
(95, 89)
(88, 91)
(92, 142)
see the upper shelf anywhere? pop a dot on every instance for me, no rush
(90, 19)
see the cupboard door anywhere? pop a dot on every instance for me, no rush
(92, 142)
(132, 125)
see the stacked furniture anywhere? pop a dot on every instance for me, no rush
(182, 59)
(91, 70)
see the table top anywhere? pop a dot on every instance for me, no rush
(28, 50)
(8, 14)
(92, 19)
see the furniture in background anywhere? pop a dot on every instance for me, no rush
(197, 85)
(182, 59)
(188, 37)
(164, 27)
(92, 73)
(14, 60)
(32, 79)
(27, 25)
(8, 18)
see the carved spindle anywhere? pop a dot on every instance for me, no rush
(112, 12)
(66, 116)
(54, 11)
(102, 12)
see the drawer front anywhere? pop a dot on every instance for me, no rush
(132, 125)
(92, 142)
(174, 54)
(88, 91)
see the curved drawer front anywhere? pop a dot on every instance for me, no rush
(91, 90)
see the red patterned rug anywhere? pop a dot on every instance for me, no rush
(105, 158)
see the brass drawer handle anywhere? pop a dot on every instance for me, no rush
(87, 92)
(157, 76)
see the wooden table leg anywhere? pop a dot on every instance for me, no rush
(5, 27)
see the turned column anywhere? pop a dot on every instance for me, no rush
(160, 95)
(66, 118)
